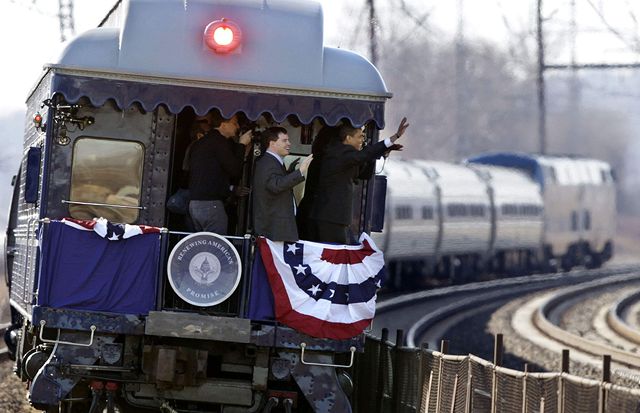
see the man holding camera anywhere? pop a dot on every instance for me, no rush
(215, 161)
(273, 201)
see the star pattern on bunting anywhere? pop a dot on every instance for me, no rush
(300, 269)
(314, 289)
(292, 248)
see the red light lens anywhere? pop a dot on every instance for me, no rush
(222, 36)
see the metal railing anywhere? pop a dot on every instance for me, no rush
(396, 379)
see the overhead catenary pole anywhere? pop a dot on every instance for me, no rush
(542, 121)
(373, 43)
(462, 129)
(574, 82)
(65, 16)
(573, 66)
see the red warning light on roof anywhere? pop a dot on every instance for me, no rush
(222, 36)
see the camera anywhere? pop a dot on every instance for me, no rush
(256, 131)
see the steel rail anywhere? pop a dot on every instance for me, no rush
(548, 304)
(487, 292)
(616, 320)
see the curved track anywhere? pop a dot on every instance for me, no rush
(622, 317)
(425, 315)
(541, 315)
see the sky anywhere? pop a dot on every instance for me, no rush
(30, 29)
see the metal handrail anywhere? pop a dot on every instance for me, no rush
(71, 343)
(303, 345)
(65, 201)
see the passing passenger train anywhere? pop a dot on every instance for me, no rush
(498, 213)
(98, 324)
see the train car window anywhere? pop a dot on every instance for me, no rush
(108, 172)
(476, 210)
(457, 210)
(587, 219)
(509, 209)
(427, 212)
(529, 210)
(574, 221)
(607, 175)
(404, 212)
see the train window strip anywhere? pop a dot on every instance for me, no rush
(457, 210)
(586, 219)
(404, 212)
(427, 212)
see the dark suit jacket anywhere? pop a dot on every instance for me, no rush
(273, 214)
(341, 166)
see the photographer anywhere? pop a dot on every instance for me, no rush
(215, 162)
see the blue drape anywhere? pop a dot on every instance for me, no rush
(81, 270)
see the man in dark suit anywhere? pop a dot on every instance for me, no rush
(273, 201)
(215, 161)
(344, 160)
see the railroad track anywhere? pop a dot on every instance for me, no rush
(425, 314)
(537, 320)
(619, 317)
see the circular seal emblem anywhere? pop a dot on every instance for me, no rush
(204, 269)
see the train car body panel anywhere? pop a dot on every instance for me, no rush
(518, 208)
(412, 225)
(465, 208)
(575, 191)
(117, 108)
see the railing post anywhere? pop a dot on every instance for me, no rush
(381, 370)
(524, 388)
(606, 378)
(564, 370)
(469, 399)
(498, 350)
(565, 361)
(455, 394)
(497, 360)
(397, 403)
(422, 379)
(444, 348)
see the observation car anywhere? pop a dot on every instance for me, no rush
(97, 323)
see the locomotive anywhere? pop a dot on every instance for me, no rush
(106, 325)
(495, 213)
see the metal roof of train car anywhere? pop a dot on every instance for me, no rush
(282, 52)
(568, 170)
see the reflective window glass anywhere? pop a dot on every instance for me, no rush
(109, 172)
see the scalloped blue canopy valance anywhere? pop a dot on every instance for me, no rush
(177, 97)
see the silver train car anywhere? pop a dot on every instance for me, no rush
(107, 326)
(502, 213)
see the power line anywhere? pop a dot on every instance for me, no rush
(635, 48)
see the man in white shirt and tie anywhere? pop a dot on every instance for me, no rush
(273, 201)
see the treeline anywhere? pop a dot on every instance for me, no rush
(464, 97)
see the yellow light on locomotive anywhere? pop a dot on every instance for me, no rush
(222, 36)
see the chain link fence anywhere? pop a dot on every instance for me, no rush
(392, 379)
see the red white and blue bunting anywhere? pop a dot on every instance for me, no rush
(324, 290)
